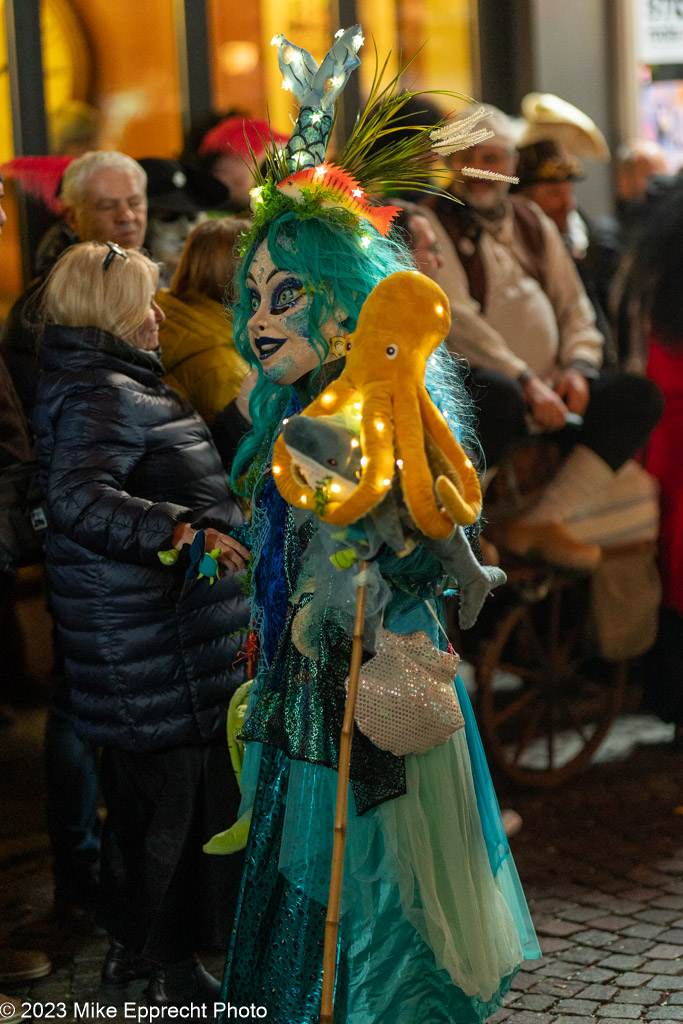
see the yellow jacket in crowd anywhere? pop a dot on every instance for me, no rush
(198, 352)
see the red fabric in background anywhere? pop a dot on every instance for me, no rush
(665, 462)
(40, 177)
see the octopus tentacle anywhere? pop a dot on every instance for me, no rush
(377, 443)
(463, 503)
(417, 480)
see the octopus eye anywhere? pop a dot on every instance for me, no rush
(348, 346)
(392, 351)
(332, 462)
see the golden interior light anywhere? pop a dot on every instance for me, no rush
(238, 56)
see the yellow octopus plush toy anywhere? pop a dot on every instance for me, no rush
(403, 320)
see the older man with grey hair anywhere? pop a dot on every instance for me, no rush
(522, 319)
(105, 200)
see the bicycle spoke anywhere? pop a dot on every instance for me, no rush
(531, 638)
(528, 734)
(512, 709)
(579, 726)
(550, 736)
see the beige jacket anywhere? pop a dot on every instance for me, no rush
(524, 327)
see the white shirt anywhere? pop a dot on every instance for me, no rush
(523, 327)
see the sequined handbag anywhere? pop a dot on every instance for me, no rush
(406, 695)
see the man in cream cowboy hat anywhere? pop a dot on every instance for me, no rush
(555, 134)
(553, 137)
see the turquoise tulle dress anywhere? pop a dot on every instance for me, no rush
(434, 924)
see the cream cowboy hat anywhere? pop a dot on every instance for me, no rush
(549, 117)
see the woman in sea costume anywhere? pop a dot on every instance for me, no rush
(433, 922)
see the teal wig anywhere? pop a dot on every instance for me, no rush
(339, 266)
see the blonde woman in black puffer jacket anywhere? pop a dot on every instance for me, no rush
(152, 658)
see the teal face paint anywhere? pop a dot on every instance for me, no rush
(283, 368)
(297, 321)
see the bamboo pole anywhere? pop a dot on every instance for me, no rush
(332, 919)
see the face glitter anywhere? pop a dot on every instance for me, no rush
(297, 322)
(282, 369)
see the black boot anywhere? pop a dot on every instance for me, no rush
(182, 983)
(122, 965)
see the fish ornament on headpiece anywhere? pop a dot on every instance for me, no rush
(337, 188)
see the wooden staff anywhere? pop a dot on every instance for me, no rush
(332, 920)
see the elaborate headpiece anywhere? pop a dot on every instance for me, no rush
(299, 178)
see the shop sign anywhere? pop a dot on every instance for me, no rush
(660, 31)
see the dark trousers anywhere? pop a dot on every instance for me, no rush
(72, 791)
(661, 669)
(622, 410)
(161, 895)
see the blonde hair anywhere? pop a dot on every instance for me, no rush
(78, 293)
(207, 262)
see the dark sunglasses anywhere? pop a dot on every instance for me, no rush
(114, 250)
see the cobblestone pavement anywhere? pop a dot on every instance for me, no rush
(601, 860)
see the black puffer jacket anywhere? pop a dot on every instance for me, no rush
(149, 657)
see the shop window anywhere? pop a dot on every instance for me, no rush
(245, 70)
(434, 34)
(135, 81)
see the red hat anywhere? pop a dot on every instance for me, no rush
(230, 137)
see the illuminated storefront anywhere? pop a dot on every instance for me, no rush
(145, 69)
(140, 71)
(126, 59)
